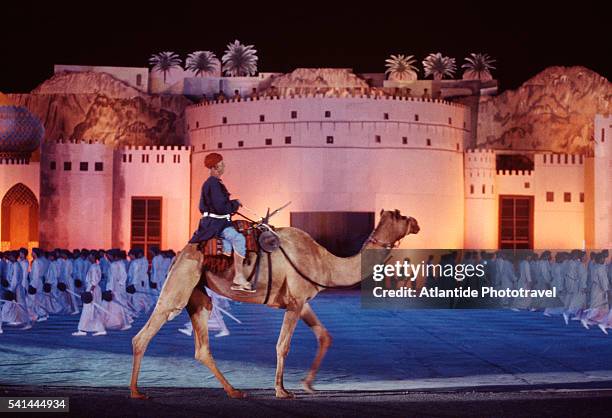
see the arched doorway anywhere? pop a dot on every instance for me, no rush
(19, 218)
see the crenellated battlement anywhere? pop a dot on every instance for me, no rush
(133, 148)
(558, 159)
(479, 151)
(364, 96)
(155, 154)
(14, 160)
(479, 158)
(127, 148)
(526, 173)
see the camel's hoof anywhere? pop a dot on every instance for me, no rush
(284, 394)
(138, 395)
(236, 394)
(308, 387)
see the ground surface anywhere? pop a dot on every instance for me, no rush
(418, 361)
(182, 402)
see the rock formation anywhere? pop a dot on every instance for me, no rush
(307, 80)
(88, 105)
(553, 111)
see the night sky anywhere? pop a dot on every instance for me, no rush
(524, 40)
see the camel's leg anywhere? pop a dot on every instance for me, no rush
(139, 346)
(324, 340)
(182, 278)
(282, 349)
(199, 308)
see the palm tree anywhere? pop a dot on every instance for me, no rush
(239, 60)
(439, 66)
(478, 67)
(164, 62)
(400, 68)
(202, 62)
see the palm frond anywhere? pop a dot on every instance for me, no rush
(202, 62)
(478, 67)
(400, 67)
(163, 62)
(439, 66)
(239, 60)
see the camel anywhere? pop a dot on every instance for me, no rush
(301, 268)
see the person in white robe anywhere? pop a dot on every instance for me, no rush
(66, 278)
(140, 297)
(84, 266)
(599, 307)
(215, 320)
(542, 280)
(104, 268)
(36, 297)
(52, 302)
(525, 281)
(504, 275)
(575, 283)
(92, 315)
(556, 306)
(157, 270)
(168, 258)
(144, 280)
(25, 270)
(118, 316)
(76, 261)
(14, 309)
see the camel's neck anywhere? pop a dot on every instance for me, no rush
(352, 270)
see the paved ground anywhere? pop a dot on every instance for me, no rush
(379, 357)
(176, 402)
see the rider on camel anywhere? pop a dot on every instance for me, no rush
(216, 209)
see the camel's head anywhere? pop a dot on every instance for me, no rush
(393, 226)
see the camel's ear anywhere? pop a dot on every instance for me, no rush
(382, 211)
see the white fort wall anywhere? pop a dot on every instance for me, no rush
(153, 171)
(376, 161)
(601, 178)
(559, 224)
(76, 202)
(481, 201)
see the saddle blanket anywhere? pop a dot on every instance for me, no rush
(214, 246)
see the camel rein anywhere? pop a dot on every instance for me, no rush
(255, 272)
(371, 239)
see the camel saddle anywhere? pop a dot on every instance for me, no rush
(214, 246)
(212, 249)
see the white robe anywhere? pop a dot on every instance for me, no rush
(575, 282)
(555, 306)
(15, 311)
(36, 302)
(141, 301)
(92, 318)
(69, 300)
(52, 302)
(165, 266)
(525, 281)
(598, 297)
(119, 312)
(157, 272)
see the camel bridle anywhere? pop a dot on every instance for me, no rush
(384, 245)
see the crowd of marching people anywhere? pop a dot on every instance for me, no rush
(583, 286)
(108, 289)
